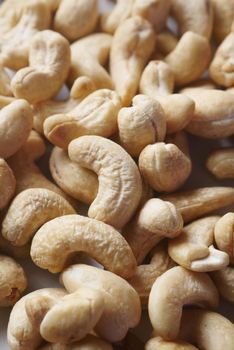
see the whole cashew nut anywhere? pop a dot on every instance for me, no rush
(221, 163)
(158, 343)
(224, 281)
(90, 342)
(224, 235)
(223, 18)
(7, 184)
(171, 291)
(120, 188)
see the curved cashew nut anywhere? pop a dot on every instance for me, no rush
(201, 201)
(164, 166)
(166, 42)
(82, 14)
(13, 281)
(221, 163)
(49, 53)
(194, 249)
(224, 235)
(15, 126)
(224, 281)
(154, 221)
(89, 55)
(174, 289)
(90, 342)
(5, 81)
(140, 125)
(158, 343)
(198, 327)
(120, 186)
(31, 209)
(111, 20)
(95, 115)
(122, 309)
(55, 241)
(7, 184)
(190, 58)
(133, 43)
(223, 18)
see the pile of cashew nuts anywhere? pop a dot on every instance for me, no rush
(114, 187)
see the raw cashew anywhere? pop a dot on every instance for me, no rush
(223, 18)
(76, 18)
(154, 221)
(195, 16)
(76, 181)
(7, 184)
(95, 115)
(194, 249)
(90, 342)
(89, 55)
(140, 125)
(15, 126)
(208, 330)
(133, 43)
(214, 119)
(31, 209)
(224, 235)
(5, 81)
(13, 281)
(201, 201)
(120, 186)
(64, 236)
(166, 42)
(49, 63)
(158, 343)
(221, 163)
(122, 308)
(174, 289)
(190, 58)
(224, 281)
(164, 166)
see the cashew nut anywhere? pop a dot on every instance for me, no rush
(221, 163)
(223, 18)
(166, 42)
(90, 342)
(5, 88)
(224, 281)
(158, 343)
(224, 235)
(7, 184)
(174, 289)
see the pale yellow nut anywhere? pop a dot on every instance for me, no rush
(190, 58)
(195, 16)
(201, 201)
(15, 126)
(49, 63)
(174, 289)
(5, 81)
(13, 281)
(31, 209)
(223, 18)
(90, 342)
(89, 56)
(7, 184)
(221, 163)
(164, 166)
(213, 119)
(224, 281)
(154, 221)
(133, 43)
(224, 235)
(95, 115)
(120, 187)
(140, 125)
(208, 330)
(166, 42)
(194, 250)
(159, 343)
(122, 309)
(76, 181)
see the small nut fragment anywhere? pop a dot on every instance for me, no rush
(7, 184)
(221, 163)
(159, 343)
(224, 235)
(224, 281)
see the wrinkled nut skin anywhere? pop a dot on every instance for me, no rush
(31, 209)
(224, 281)
(76, 18)
(64, 236)
(15, 126)
(174, 289)
(120, 187)
(166, 42)
(154, 221)
(195, 16)
(140, 125)
(190, 58)
(158, 343)
(224, 235)
(132, 45)
(201, 201)
(95, 115)
(49, 53)
(76, 181)
(5, 88)
(198, 327)
(223, 18)
(7, 184)
(122, 309)
(90, 342)
(211, 120)
(157, 79)
(221, 163)
(164, 166)
(13, 281)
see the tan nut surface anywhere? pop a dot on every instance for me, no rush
(224, 281)
(7, 184)
(120, 188)
(166, 42)
(158, 343)
(31, 209)
(49, 53)
(224, 235)
(223, 18)
(5, 88)
(122, 308)
(221, 163)
(90, 342)
(174, 289)
(140, 125)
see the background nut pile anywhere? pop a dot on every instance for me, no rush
(117, 175)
